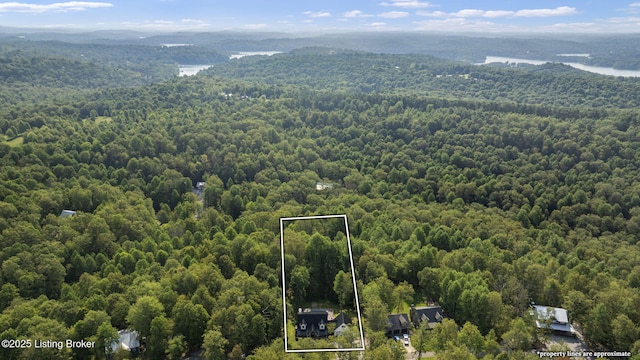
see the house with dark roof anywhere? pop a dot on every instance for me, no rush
(342, 322)
(397, 324)
(431, 314)
(312, 323)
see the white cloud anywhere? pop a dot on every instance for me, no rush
(317, 14)
(559, 11)
(497, 13)
(633, 8)
(166, 25)
(192, 21)
(469, 13)
(433, 13)
(255, 26)
(382, 26)
(356, 14)
(618, 24)
(411, 4)
(459, 24)
(475, 13)
(394, 14)
(610, 26)
(63, 6)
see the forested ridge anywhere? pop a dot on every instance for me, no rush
(551, 84)
(136, 56)
(480, 205)
(56, 65)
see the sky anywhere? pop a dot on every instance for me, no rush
(489, 16)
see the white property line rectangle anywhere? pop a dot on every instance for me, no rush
(284, 287)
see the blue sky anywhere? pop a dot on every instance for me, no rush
(542, 16)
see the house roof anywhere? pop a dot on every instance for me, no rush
(397, 322)
(341, 319)
(128, 340)
(67, 213)
(311, 320)
(430, 314)
(323, 186)
(556, 318)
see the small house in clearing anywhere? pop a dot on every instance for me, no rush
(323, 186)
(312, 323)
(128, 341)
(431, 314)
(67, 213)
(552, 318)
(342, 322)
(397, 325)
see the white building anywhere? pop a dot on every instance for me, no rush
(128, 341)
(323, 186)
(556, 319)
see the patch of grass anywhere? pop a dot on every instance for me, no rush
(291, 335)
(103, 119)
(405, 307)
(16, 141)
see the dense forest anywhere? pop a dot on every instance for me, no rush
(618, 51)
(483, 191)
(550, 84)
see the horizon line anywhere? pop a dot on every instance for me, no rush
(307, 32)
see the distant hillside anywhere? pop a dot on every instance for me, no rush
(366, 72)
(619, 51)
(120, 54)
(37, 70)
(60, 72)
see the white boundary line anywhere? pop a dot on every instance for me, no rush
(284, 287)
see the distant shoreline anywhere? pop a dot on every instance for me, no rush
(588, 68)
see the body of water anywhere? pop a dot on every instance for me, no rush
(242, 54)
(189, 70)
(593, 69)
(174, 45)
(575, 55)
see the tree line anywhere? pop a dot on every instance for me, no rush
(481, 206)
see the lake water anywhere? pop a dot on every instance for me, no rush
(242, 54)
(575, 55)
(593, 69)
(175, 45)
(190, 70)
